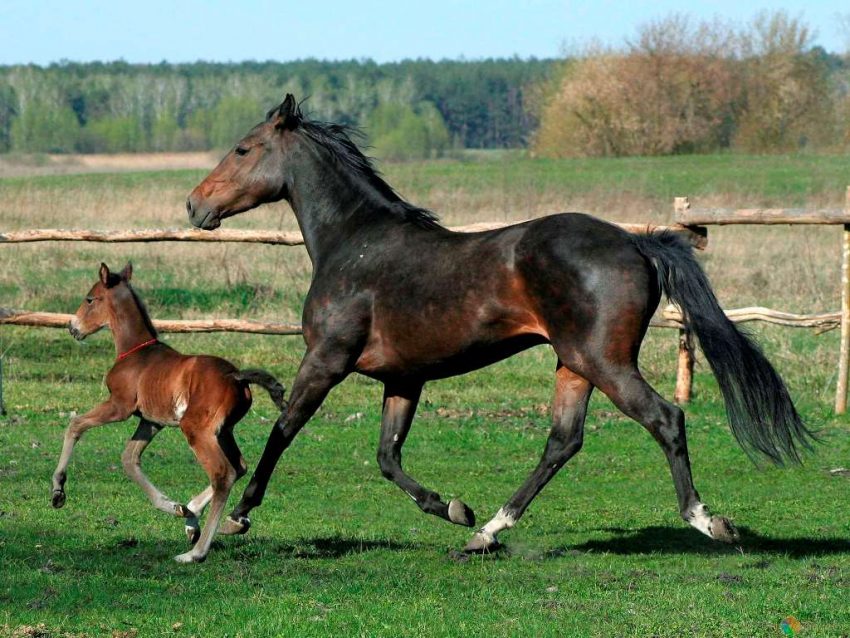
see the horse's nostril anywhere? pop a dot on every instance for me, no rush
(189, 207)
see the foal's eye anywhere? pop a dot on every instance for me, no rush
(241, 150)
(89, 300)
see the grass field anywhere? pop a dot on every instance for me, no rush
(337, 550)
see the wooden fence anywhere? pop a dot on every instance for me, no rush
(689, 223)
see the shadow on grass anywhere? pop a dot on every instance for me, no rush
(314, 548)
(683, 540)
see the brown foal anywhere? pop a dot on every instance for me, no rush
(205, 396)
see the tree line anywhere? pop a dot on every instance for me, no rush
(414, 108)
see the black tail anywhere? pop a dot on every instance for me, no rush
(263, 379)
(760, 411)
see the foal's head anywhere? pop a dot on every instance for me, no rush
(101, 305)
(252, 172)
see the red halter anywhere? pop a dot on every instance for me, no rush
(124, 355)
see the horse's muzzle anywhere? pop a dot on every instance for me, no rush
(201, 218)
(79, 336)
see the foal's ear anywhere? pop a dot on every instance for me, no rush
(127, 272)
(287, 115)
(104, 273)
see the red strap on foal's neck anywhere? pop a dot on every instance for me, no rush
(124, 355)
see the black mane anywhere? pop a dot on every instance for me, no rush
(336, 138)
(146, 318)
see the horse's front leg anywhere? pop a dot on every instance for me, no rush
(320, 370)
(107, 412)
(399, 408)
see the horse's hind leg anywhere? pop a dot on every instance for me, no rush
(131, 460)
(666, 422)
(399, 408)
(215, 461)
(569, 409)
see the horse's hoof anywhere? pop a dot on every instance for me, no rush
(189, 557)
(482, 543)
(230, 526)
(58, 498)
(193, 534)
(460, 513)
(723, 530)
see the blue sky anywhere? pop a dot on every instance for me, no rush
(154, 30)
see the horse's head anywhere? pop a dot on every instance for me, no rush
(98, 308)
(252, 173)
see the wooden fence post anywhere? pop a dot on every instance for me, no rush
(844, 353)
(685, 367)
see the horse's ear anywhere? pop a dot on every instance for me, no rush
(287, 115)
(127, 272)
(104, 273)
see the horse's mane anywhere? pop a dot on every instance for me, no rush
(146, 318)
(337, 140)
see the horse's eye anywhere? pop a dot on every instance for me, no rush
(89, 300)
(241, 150)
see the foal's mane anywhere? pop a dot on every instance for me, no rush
(143, 310)
(337, 140)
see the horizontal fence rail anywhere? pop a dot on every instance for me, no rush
(279, 238)
(761, 216)
(60, 320)
(671, 317)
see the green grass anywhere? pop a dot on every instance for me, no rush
(790, 179)
(336, 549)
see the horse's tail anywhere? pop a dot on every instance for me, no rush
(760, 411)
(275, 388)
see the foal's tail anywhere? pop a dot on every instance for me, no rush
(263, 379)
(760, 412)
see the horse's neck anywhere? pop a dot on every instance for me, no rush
(129, 327)
(331, 205)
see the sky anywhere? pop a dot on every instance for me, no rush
(45, 31)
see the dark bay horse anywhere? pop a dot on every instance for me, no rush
(205, 396)
(399, 298)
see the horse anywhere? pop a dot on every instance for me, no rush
(397, 297)
(204, 396)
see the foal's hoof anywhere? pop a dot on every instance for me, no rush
(723, 530)
(230, 526)
(193, 533)
(189, 557)
(460, 513)
(58, 498)
(482, 543)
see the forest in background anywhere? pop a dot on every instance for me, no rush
(408, 109)
(677, 87)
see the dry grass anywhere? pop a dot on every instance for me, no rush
(49, 164)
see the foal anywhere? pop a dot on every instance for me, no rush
(205, 396)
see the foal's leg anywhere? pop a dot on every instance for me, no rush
(318, 373)
(107, 412)
(208, 450)
(399, 408)
(666, 422)
(131, 460)
(569, 408)
(198, 503)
